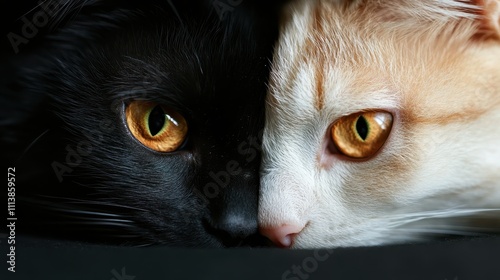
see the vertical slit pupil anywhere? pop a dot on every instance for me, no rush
(362, 127)
(156, 120)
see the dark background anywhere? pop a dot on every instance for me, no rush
(451, 260)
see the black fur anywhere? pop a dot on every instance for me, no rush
(79, 172)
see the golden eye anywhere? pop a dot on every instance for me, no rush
(361, 135)
(156, 126)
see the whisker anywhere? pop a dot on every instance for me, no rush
(77, 201)
(402, 219)
(34, 8)
(440, 231)
(32, 144)
(455, 221)
(176, 12)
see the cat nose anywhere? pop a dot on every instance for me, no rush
(282, 235)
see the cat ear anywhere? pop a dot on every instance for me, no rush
(489, 19)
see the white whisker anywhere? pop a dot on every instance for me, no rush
(452, 221)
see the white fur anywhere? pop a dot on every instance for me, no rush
(428, 170)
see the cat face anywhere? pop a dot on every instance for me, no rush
(381, 122)
(147, 128)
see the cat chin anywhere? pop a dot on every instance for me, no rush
(417, 232)
(437, 217)
(351, 236)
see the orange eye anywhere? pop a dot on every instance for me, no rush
(156, 126)
(361, 135)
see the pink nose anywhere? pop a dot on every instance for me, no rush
(281, 235)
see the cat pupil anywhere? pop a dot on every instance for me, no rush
(362, 127)
(156, 120)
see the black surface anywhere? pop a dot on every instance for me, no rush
(457, 259)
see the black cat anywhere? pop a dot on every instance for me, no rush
(137, 122)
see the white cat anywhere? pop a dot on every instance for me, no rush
(383, 122)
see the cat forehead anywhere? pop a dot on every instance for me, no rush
(370, 32)
(330, 50)
(313, 91)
